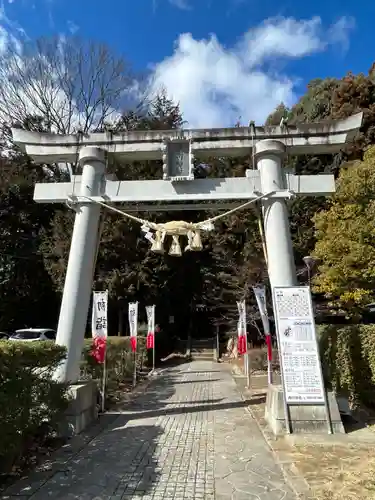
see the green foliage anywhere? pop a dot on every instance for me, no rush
(119, 361)
(348, 359)
(30, 400)
(345, 238)
(317, 103)
(25, 286)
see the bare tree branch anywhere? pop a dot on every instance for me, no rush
(69, 84)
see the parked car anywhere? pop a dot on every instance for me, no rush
(33, 334)
(4, 336)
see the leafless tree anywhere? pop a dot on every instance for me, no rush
(64, 85)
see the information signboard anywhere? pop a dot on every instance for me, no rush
(298, 347)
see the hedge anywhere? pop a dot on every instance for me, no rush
(348, 360)
(30, 401)
(119, 361)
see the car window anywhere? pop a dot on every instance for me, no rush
(26, 335)
(50, 334)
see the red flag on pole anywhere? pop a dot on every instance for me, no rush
(150, 341)
(133, 342)
(242, 345)
(269, 347)
(99, 346)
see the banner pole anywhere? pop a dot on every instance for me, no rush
(135, 366)
(269, 360)
(270, 377)
(247, 368)
(104, 380)
(153, 356)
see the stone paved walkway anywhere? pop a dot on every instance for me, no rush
(188, 436)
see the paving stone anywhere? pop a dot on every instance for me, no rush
(188, 436)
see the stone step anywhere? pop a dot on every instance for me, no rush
(202, 357)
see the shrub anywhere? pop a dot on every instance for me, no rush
(29, 397)
(348, 361)
(119, 361)
(258, 359)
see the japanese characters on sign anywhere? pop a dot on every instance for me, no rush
(299, 355)
(99, 314)
(260, 295)
(150, 311)
(179, 159)
(99, 327)
(133, 324)
(242, 335)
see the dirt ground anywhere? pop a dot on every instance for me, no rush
(340, 467)
(337, 472)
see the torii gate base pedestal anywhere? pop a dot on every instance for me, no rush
(82, 410)
(307, 419)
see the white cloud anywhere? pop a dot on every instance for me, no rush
(340, 31)
(72, 27)
(181, 4)
(215, 85)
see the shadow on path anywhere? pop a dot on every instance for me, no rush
(196, 409)
(116, 462)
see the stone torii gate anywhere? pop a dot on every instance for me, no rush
(177, 149)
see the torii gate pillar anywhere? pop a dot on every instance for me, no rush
(281, 266)
(79, 274)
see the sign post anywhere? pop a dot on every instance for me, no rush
(260, 295)
(301, 369)
(242, 338)
(99, 328)
(150, 311)
(133, 324)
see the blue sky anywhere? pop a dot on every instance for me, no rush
(221, 59)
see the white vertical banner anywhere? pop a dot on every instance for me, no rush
(242, 337)
(242, 324)
(260, 296)
(99, 325)
(150, 311)
(133, 325)
(99, 330)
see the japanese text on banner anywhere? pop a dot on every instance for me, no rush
(99, 328)
(99, 315)
(242, 336)
(133, 324)
(260, 295)
(150, 311)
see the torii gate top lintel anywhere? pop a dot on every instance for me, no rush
(304, 138)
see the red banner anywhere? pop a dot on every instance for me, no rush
(99, 346)
(133, 342)
(269, 347)
(241, 345)
(150, 341)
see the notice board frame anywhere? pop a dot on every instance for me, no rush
(310, 320)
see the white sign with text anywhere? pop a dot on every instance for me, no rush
(298, 347)
(99, 326)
